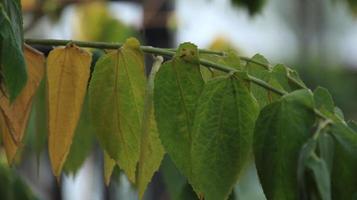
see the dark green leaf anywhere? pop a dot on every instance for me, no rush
(326, 149)
(280, 131)
(82, 142)
(344, 173)
(253, 6)
(178, 85)
(321, 175)
(305, 152)
(13, 66)
(353, 125)
(222, 136)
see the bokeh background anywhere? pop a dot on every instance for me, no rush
(316, 37)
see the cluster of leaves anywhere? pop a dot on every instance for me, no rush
(210, 123)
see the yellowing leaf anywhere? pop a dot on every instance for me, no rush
(14, 116)
(67, 77)
(116, 100)
(109, 165)
(151, 150)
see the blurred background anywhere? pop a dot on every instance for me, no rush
(316, 37)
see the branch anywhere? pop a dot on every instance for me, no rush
(171, 52)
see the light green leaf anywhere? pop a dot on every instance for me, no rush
(116, 100)
(178, 85)
(263, 73)
(346, 136)
(222, 136)
(151, 150)
(12, 62)
(280, 131)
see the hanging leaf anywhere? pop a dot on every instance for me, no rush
(151, 150)
(178, 84)
(344, 181)
(326, 149)
(12, 62)
(280, 131)
(222, 136)
(109, 165)
(67, 78)
(83, 141)
(261, 72)
(322, 176)
(116, 100)
(15, 115)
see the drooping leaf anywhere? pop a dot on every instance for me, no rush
(280, 131)
(109, 165)
(16, 114)
(344, 181)
(12, 61)
(305, 153)
(83, 141)
(261, 72)
(178, 85)
(326, 149)
(116, 100)
(13, 11)
(222, 136)
(67, 78)
(151, 150)
(322, 176)
(319, 172)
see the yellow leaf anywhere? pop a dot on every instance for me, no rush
(14, 116)
(109, 165)
(67, 77)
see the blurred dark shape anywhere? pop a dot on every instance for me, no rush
(253, 6)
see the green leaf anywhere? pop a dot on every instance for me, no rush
(323, 99)
(280, 73)
(12, 62)
(116, 100)
(346, 136)
(353, 125)
(306, 150)
(151, 150)
(344, 181)
(82, 142)
(326, 149)
(263, 73)
(322, 176)
(280, 131)
(222, 136)
(178, 85)
(13, 11)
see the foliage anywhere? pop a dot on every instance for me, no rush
(210, 113)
